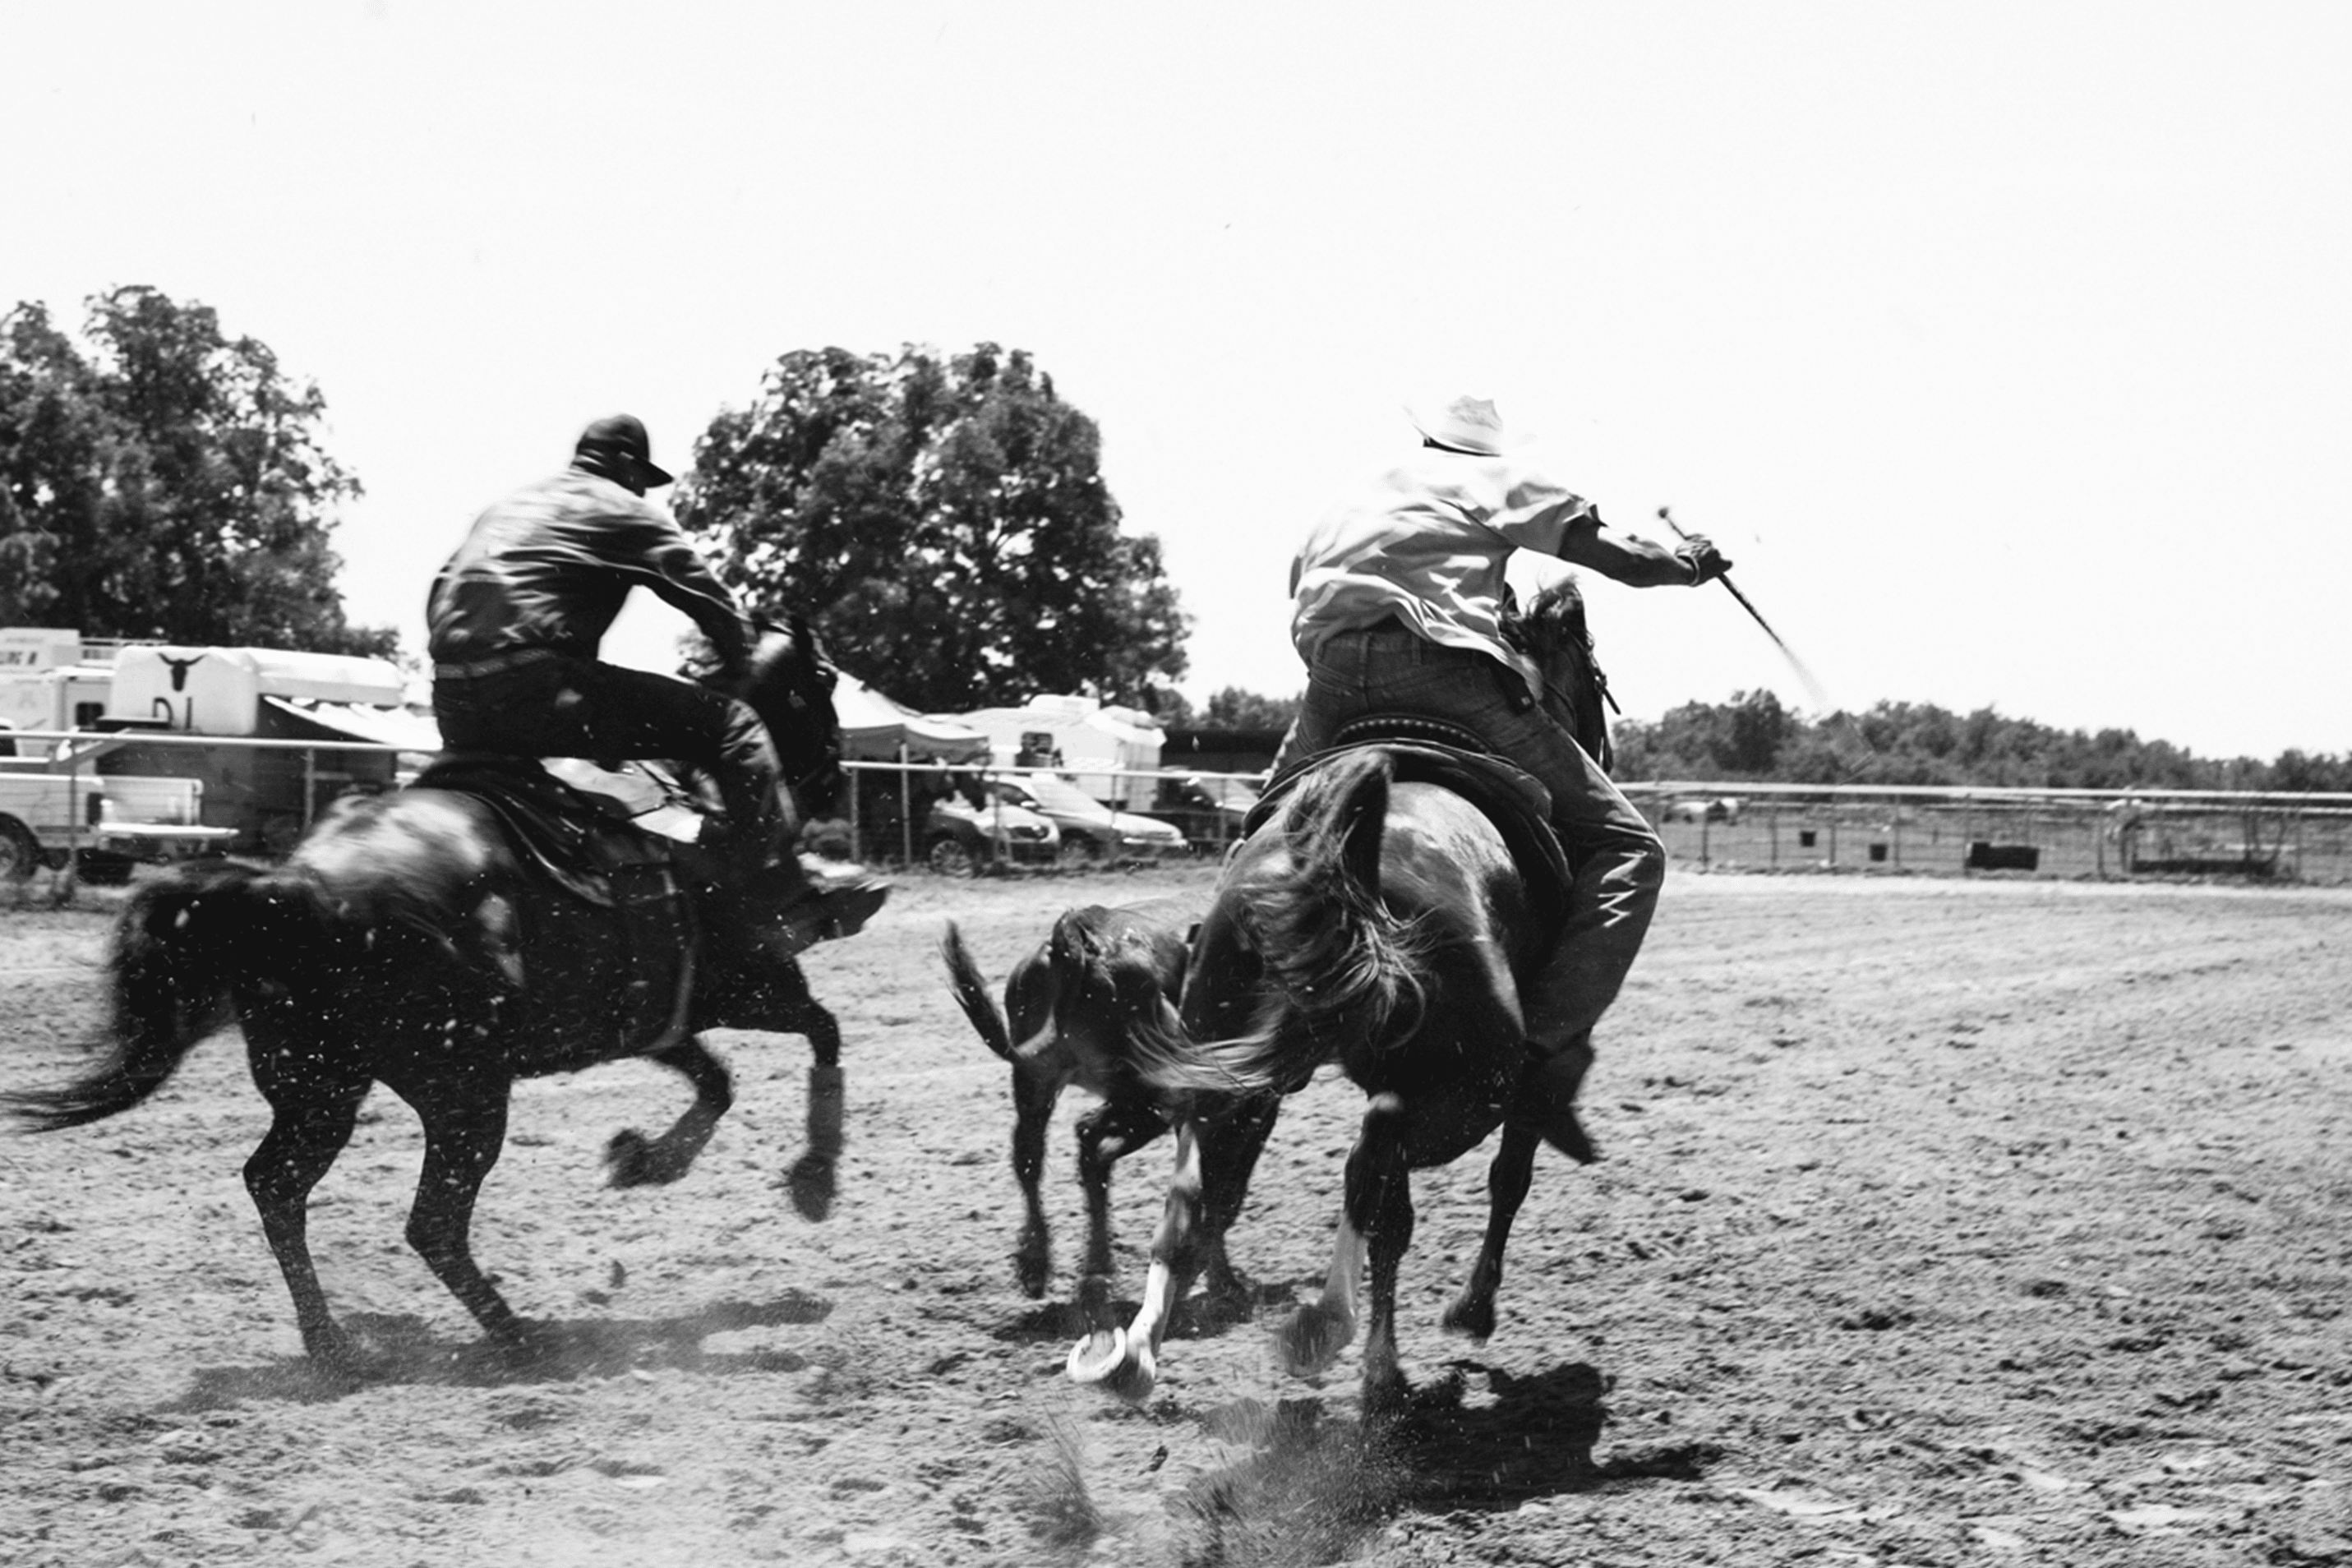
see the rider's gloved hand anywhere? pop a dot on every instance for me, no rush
(1706, 562)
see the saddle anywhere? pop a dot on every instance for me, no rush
(1430, 750)
(607, 845)
(573, 823)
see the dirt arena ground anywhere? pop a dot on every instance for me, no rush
(1941, 1222)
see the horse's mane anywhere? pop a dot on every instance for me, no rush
(1552, 630)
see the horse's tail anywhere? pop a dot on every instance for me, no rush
(972, 992)
(181, 944)
(1337, 962)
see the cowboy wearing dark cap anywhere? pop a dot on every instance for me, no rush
(1398, 609)
(515, 620)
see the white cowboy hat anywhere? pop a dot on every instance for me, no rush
(1466, 425)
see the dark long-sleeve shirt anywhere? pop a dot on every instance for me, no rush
(550, 566)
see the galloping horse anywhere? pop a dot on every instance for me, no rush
(408, 942)
(1383, 916)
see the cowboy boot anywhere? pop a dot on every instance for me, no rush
(1546, 1095)
(786, 911)
(787, 902)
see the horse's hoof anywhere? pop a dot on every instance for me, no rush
(1106, 1359)
(333, 1352)
(1476, 1322)
(1386, 1395)
(1033, 1273)
(1232, 1291)
(525, 1343)
(1093, 1358)
(630, 1157)
(1312, 1339)
(812, 1184)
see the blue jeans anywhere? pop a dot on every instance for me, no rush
(565, 707)
(1619, 863)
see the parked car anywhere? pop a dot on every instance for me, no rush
(961, 838)
(1092, 833)
(1207, 811)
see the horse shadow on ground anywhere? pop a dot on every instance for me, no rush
(401, 1349)
(1312, 1487)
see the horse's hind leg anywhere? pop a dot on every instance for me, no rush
(465, 1129)
(311, 1120)
(1230, 1146)
(1107, 1134)
(1035, 1089)
(1508, 1180)
(637, 1160)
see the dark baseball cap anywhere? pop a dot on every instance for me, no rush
(619, 440)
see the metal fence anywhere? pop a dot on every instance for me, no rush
(1712, 824)
(2048, 833)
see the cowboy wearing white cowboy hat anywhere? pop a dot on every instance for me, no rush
(1397, 598)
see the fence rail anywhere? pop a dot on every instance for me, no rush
(2049, 833)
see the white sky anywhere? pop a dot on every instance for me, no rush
(2007, 347)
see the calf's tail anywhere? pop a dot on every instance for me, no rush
(972, 992)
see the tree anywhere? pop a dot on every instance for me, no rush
(1906, 744)
(945, 522)
(166, 483)
(1234, 709)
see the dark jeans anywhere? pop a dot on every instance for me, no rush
(1619, 864)
(576, 708)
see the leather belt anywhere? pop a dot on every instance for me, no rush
(494, 664)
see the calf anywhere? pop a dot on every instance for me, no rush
(1093, 1004)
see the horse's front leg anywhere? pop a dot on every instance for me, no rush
(465, 1121)
(814, 1179)
(1380, 1192)
(1508, 1180)
(1311, 1338)
(1128, 1364)
(1107, 1134)
(637, 1160)
(774, 996)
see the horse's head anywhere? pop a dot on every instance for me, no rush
(1552, 631)
(789, 682)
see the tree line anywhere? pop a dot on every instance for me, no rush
(1754, 737)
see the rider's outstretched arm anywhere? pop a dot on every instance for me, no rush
(1641, 563)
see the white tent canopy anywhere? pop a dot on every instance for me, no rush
(873, 728)
(1088, 735)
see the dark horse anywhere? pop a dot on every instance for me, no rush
(407, 943)
(1384, 917)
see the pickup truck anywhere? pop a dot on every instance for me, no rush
(113, 820)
